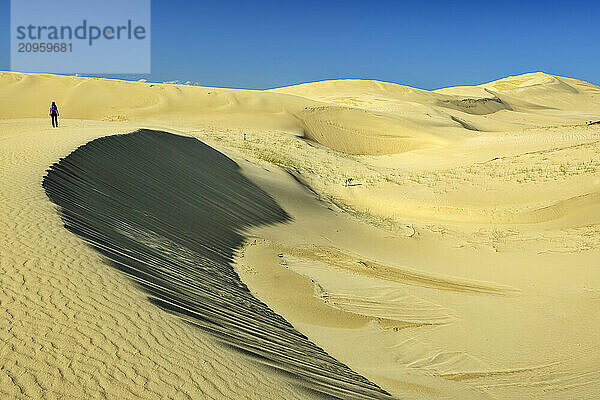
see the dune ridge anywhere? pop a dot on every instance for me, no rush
(350, 116)
(164, 221)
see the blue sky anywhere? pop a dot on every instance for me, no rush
(425, 44)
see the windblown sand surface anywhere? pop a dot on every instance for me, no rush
(460, 261)
(178, 243)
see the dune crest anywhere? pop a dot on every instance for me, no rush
(352, 116)
(177, 242)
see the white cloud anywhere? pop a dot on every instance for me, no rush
(178, 82)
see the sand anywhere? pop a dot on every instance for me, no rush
(178, 244)
(460, 261)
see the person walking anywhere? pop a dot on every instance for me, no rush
(54, 115)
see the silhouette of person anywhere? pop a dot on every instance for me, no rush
(54, 115)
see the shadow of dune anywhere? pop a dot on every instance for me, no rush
(169, 211)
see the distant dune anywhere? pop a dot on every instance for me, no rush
(352, 116)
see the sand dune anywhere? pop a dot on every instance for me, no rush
(170, 228)
(72, 327)
(525, 101)
(453, 337)
(457, 262)
(357, 117)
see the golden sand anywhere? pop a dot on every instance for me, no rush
(461, 260)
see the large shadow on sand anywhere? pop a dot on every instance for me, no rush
(169, 211)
